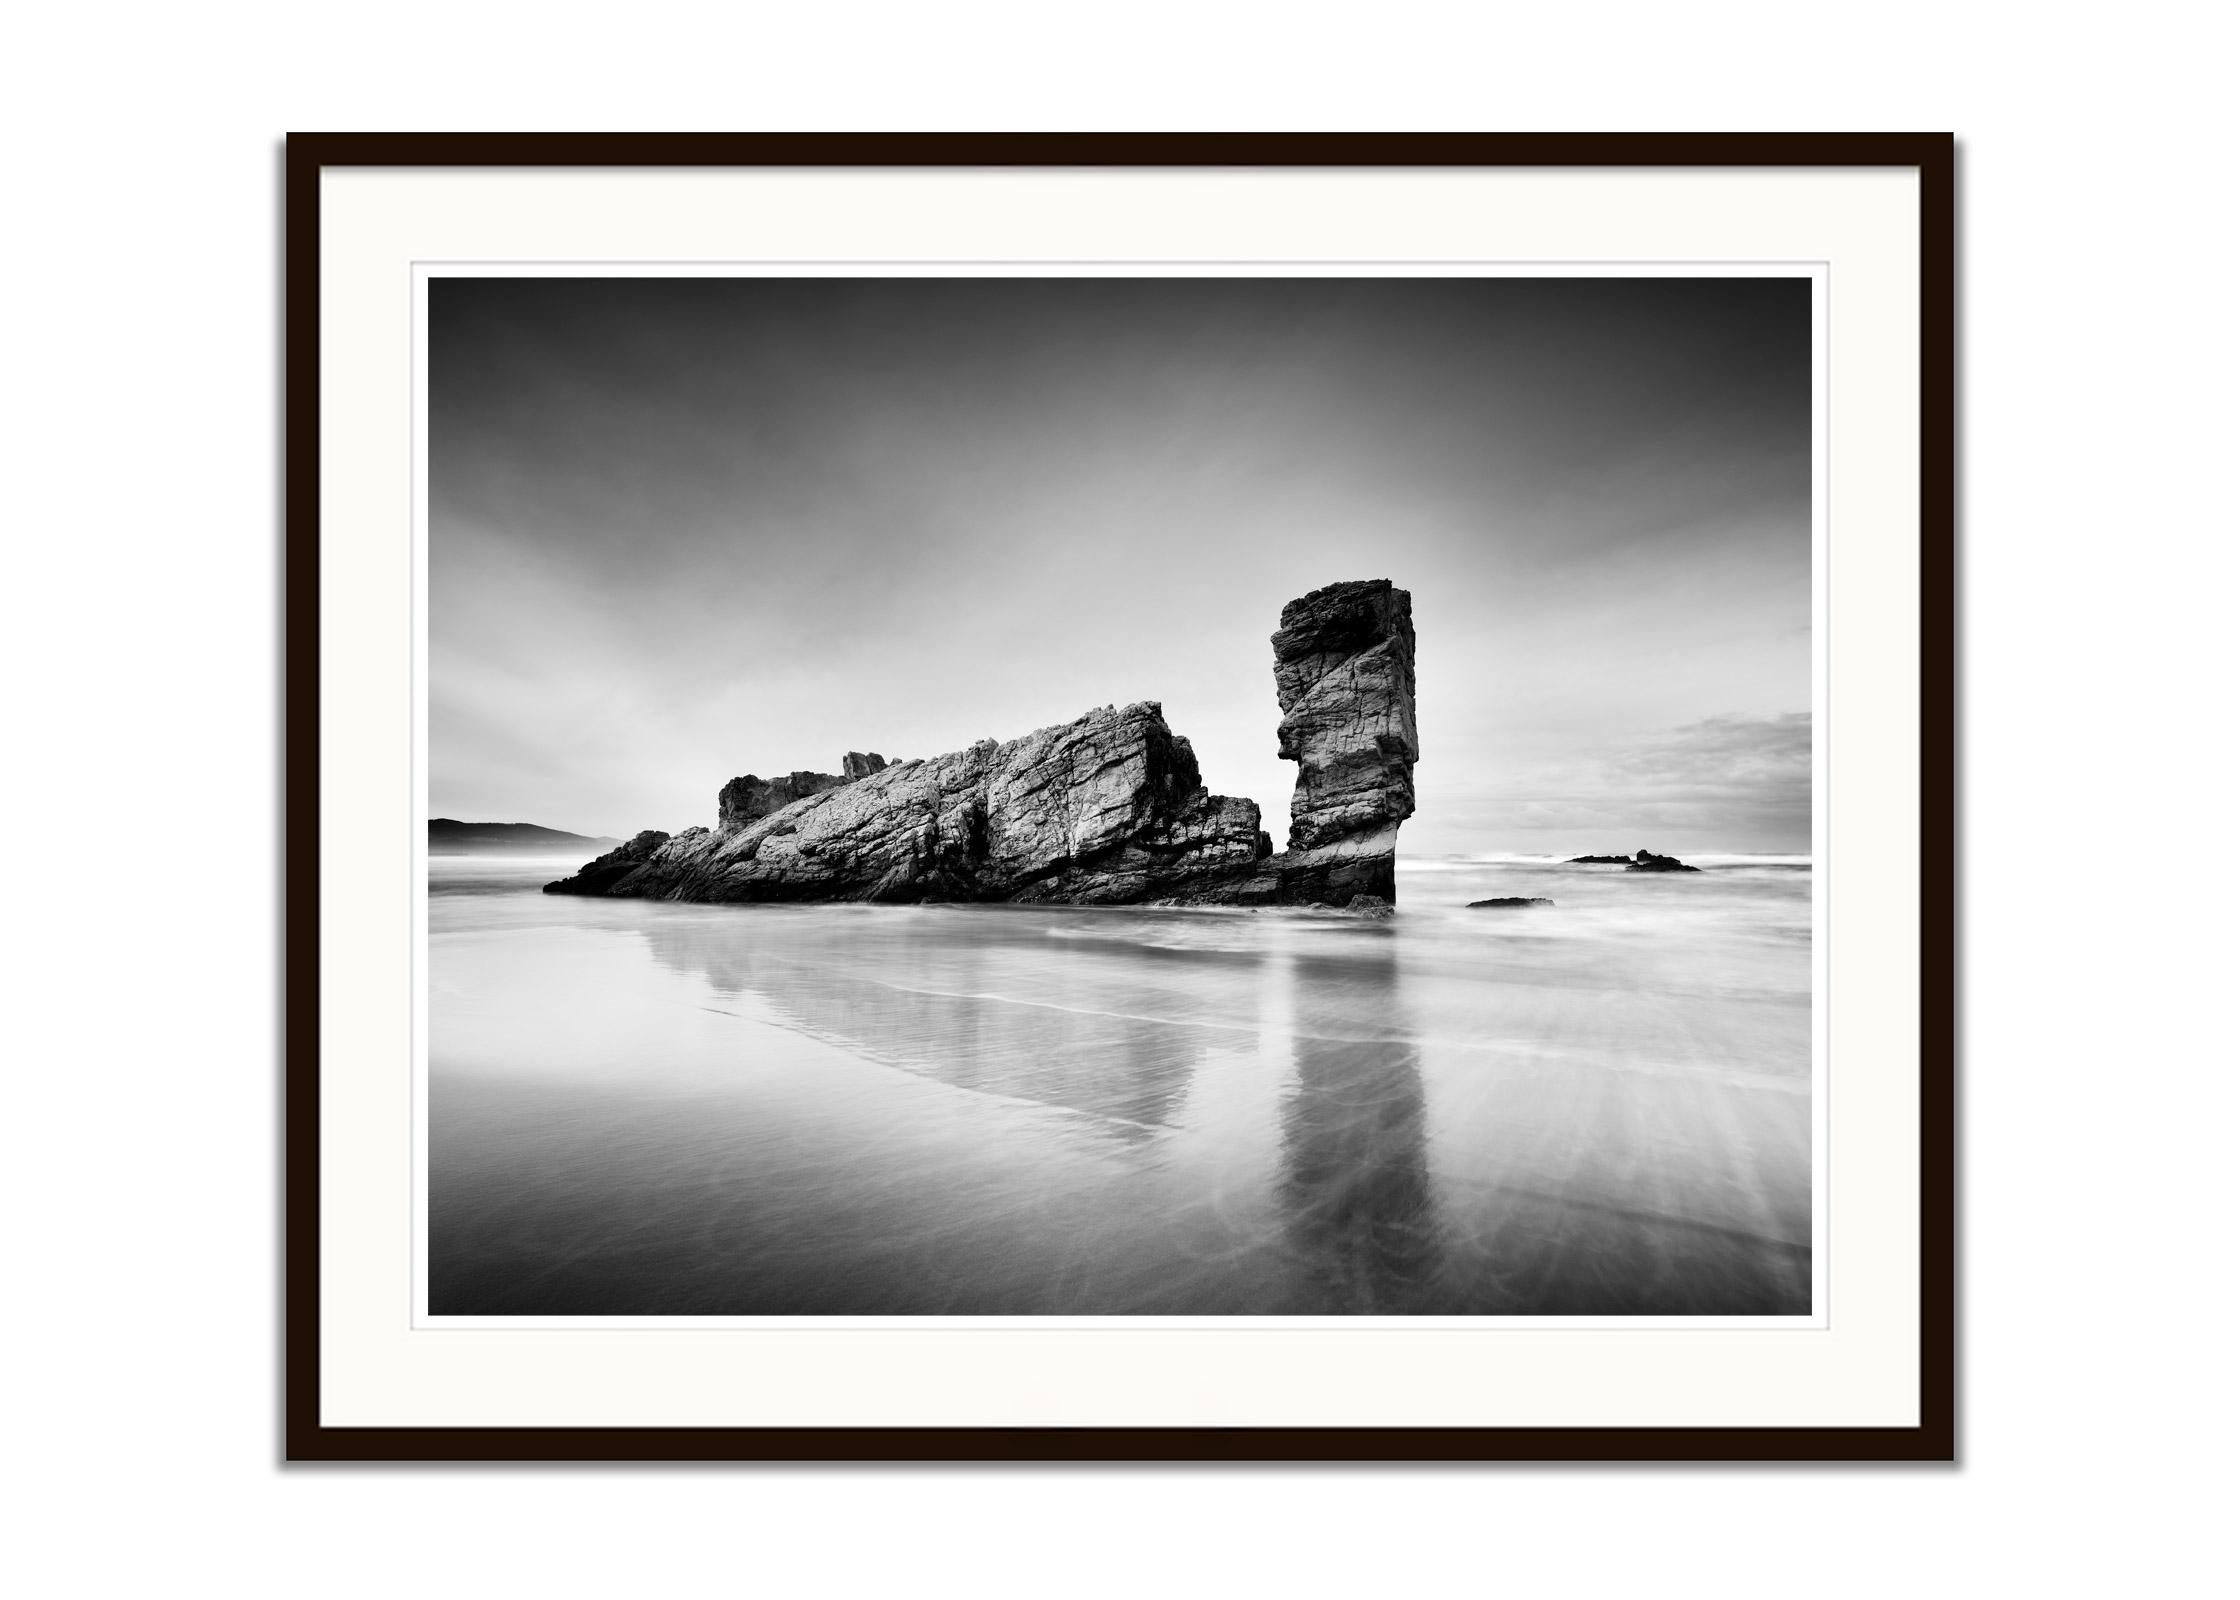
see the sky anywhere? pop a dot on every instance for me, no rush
(686, 529)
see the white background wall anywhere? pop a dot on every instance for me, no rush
(2099, 1065)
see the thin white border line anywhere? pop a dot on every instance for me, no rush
(1823, 793)
(1624, 265)
(416, 784)
(420, 1320)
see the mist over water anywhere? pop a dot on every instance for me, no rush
(1597, 1107)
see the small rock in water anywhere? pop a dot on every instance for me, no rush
(1511, 900)
(1649, 861)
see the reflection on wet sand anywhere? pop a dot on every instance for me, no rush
(1009, 1012)
(648, 1108)
(1356, 1187)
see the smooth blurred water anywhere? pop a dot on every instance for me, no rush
(1597, 1107)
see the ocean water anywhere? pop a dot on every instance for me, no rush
(1599, 1107)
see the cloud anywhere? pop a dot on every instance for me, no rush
(1753, 760)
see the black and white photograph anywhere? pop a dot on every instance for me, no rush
(966, 845)
(1099, 796)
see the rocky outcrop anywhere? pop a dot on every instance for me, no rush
(1639, 861)
(1107, 809)
(1647, 861)
(618, 866)
(750, 799)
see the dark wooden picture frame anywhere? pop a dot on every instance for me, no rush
(308, 156)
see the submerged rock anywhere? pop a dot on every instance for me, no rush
(1107, 809)
(1510, 900)
(1601, 861)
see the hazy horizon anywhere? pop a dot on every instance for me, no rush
(684, 529)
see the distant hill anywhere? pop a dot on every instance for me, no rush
(449, 837)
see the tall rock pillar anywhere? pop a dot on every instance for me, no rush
(1346, 684)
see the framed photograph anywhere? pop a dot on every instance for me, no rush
(1120, 797)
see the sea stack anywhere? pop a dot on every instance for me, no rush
(1346, 683)
(1107, 809)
